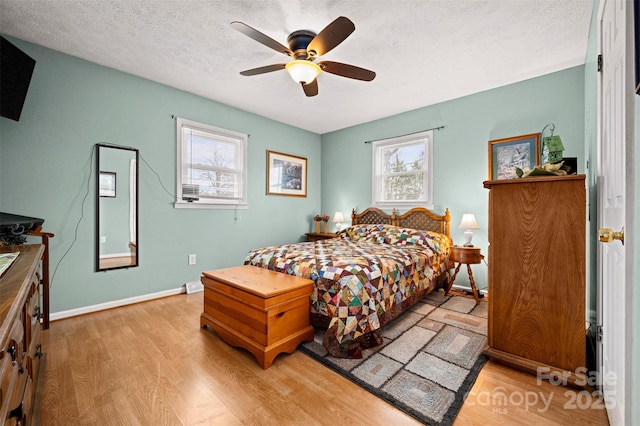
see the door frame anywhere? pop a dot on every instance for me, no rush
(630, 226)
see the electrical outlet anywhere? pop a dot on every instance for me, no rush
(192, 259)
(103, 239)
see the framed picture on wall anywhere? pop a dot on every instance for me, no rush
(505, 155)
(286, 174)
(107, 184)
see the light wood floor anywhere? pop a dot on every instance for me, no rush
(117, 262)
(151, 364)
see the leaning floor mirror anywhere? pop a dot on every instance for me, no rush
(116, 207)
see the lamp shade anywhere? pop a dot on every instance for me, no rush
(302, 71)
(468, 222)
(338, 217)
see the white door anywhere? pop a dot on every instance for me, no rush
(615, 127)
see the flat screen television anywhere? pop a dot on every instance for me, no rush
(16, 69)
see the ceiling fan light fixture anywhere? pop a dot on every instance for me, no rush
(302, 71)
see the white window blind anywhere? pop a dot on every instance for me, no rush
(403, 172)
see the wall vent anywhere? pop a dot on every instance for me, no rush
(194, 287)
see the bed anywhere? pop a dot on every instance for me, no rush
(368, 274)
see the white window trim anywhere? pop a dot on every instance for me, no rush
(376, 168)
(209, 204)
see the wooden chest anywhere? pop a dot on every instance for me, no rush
(262, 311)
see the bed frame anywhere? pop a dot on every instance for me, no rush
(416, 218)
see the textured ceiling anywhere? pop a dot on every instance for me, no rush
(423, 51)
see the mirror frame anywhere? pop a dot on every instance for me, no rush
(135, 262)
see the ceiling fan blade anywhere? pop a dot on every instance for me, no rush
(260, 37)
(310, 89)
(331, 36)
(346, 70)
(262, 70)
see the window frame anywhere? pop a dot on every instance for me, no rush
(426, 138)
(240, 139)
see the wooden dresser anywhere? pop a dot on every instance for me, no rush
(537, 287)
(20, 340)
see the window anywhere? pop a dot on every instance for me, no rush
(402, 171)
(211, 166)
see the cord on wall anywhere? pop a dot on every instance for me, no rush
(238, 216)
(75, 234)
(84, 199)
(158, 176)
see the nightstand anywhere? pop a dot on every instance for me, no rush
(315, 236)
(468, 256)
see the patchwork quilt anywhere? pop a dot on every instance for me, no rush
(365, 277)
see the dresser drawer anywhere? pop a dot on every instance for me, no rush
(8, 375)
(15, 346)
(32, 314)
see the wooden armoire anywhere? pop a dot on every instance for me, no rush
(537, 279)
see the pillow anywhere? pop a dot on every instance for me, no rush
(360, 232)
(395, 235)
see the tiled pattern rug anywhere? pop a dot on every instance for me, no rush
(429, 361)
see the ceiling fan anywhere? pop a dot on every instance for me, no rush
(304, 48)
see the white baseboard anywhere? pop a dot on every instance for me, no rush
(115, 304)
(462, 287)
(137, 299)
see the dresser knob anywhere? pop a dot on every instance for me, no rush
(12, 351)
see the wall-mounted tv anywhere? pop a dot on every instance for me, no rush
(16, 69)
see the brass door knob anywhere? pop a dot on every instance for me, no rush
(607, 235)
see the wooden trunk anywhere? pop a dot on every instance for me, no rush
(263, 311)
(537, 229)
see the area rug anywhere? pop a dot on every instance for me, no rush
(430, 358)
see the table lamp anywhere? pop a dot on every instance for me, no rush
(468, 222)
(338, 218)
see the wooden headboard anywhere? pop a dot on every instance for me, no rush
(416, 218)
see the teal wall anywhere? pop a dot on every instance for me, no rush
(73, 104)
(46, 158)
(461, 148)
